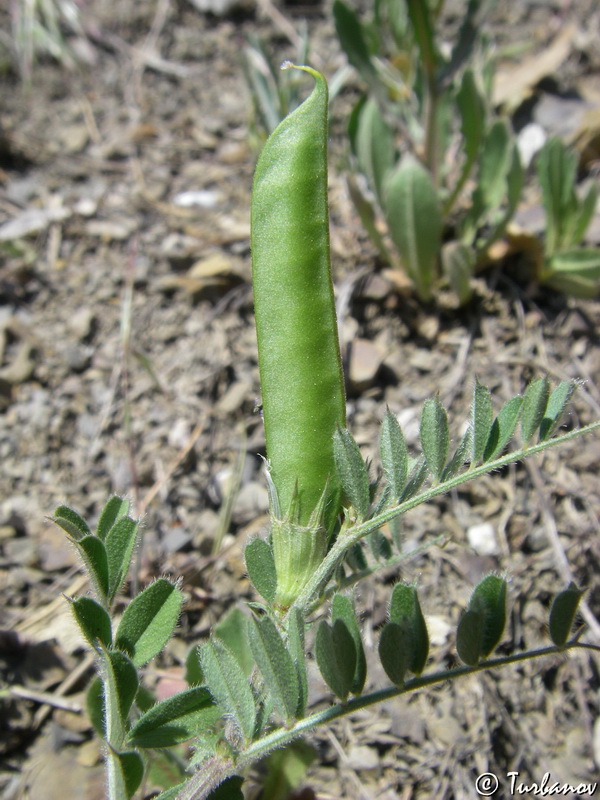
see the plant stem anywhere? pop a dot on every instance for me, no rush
(283, 736)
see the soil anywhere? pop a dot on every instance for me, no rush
(128, 365)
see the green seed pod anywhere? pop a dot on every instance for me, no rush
(298, 349)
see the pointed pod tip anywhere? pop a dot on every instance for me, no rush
(287, 64)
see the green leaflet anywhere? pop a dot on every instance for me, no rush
(113, 511)
(458, 263)
(94, 556)
(534, 407)
(227, 683)
(415, 222)
(233, 630)
(276, 665)
(131, 768)
(149, 621)
(71, 522)
(120, 688)
(394, 454)
(93, 621)
(393, 652)
(296, 648)
(434, 436)
(261, 568)
(343, 609)
(557, 402)
(405, 611)
(119, 544)
(351, 35)
(562, 614)
(176, 719)
(481, 627)
(374, 146)
(335, 652)
(352, 471)
(503, 427)
(481, 421)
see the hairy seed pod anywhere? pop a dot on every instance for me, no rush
(298, 349)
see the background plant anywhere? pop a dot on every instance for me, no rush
(437, 175)
(249, 692)
(274, 92)
(566, 266)
(40, 28)
(439, 107)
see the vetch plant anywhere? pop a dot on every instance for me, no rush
(249, 691)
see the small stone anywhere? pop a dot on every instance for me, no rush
(175, 538)
(530, 141)
(179, 434)
(363, 757)
(200, 198)
(88, 754)
(21, 368)
(482, 539)
(365, 360)
(82, 322)
(252, 500)
(234, 397)
(7, 532)
(439, 630)
(22, 550)
(78, 358)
